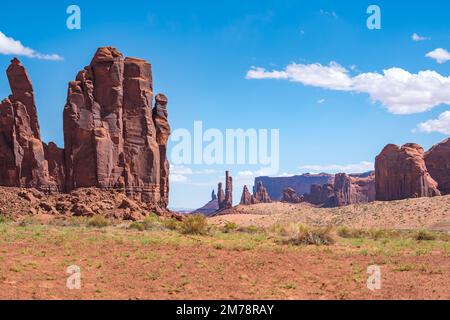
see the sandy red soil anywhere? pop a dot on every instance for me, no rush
(34, 267)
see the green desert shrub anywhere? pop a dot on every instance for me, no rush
(303, 235)
(97, 222)
(171, 224)
(250, 229)
(424, 235)
(3, 219)
(152, 221)
(229, 227)
(374, 234)
(345, 232)
(194, 224)
(135, 225)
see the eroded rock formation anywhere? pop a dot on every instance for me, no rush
(247, 197)
(260, 193)
(290, 196)
(400, 173)
(353, 190)
(319, 194)
(225, 198)
(23, 162)
(113, 137)
(437, 160)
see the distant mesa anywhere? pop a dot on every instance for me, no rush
(301, 184)
(114, 138)
(345, 190)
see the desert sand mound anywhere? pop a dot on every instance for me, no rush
(431, 213)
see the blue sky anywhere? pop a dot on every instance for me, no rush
(202, 51)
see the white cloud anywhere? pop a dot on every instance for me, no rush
(180, 170)
(328, 13)
(9, 46)
(183, 174)
(205, 171)
(441, 124)
(361, 167)
(177, 177)
(400, 91)
(246, 173)
(178, 174)
(439, 54)
(416, 37)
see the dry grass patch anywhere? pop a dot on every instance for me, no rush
(303, 235)
(194, 224)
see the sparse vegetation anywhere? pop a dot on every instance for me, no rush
(229, 227)
(150, 222)
(3, 219)
(97, 222)
(135, 225)
(303, 235)
(194, 224)
(171, 224)
(424, 235)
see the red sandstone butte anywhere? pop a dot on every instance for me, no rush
(400, 173)
(113, 138)
(437, 160)
(353, 190)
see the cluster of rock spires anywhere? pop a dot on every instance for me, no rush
(225, 199)
(114, 138)
(260, 195)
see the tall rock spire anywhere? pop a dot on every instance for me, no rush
(22, 91)
(23, 162)
(113, 137)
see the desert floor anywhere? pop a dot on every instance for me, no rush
(428, 213)
(256, 256)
